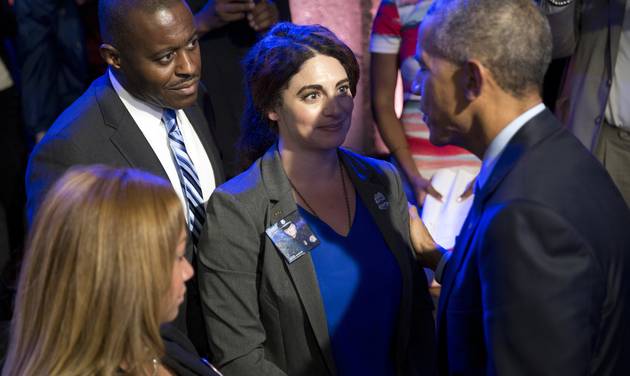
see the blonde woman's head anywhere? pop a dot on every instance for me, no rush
(98, 275)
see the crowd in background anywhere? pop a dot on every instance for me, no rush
(237, 156)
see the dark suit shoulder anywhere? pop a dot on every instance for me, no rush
(560, 174)
(81, 116)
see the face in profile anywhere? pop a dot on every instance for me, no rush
(182, 272)
(316, 107)
(437, 84)
(160, 62)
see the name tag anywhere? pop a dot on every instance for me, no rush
(292, 236)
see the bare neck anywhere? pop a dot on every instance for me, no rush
(309, 166)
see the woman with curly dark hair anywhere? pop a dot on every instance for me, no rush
(305, 268)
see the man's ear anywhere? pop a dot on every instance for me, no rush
(474, 79)
(110, 54)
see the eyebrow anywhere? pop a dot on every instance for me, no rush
(320, 87)
(166, 50)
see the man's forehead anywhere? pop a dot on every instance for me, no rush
(160, 28)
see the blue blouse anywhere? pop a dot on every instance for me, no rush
(360, 284)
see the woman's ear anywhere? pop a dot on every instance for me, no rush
(272, 115)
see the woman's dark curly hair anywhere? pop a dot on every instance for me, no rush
(269, 66)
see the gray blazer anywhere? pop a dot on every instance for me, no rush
(265, 316)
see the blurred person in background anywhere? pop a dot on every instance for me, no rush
(227, 30)
(393, 46)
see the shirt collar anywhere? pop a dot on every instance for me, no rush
(134, 104)
(498, 144)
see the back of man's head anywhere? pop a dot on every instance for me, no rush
(511, 38)
(113, 18)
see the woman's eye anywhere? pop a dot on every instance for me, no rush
(311, 96)
(345, 90)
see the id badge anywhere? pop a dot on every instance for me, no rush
(292, 236)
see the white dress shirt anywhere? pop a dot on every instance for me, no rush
(149, 120)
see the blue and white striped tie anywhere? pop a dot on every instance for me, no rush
(187, 176)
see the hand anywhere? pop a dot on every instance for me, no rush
(427, 251)
(217, 13)
(263, 16)
(422, 187)
(468, 191)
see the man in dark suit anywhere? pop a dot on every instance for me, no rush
(539, 280)
(121, 120)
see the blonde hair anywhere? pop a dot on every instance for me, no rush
(98, 262)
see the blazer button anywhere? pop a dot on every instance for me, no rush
(598, 120)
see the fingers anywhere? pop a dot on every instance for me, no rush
(468, 191)
(263, 16)
(421, 195)
(233, 10)
(433, 192)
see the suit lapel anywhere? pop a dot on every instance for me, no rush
(302, 270)
(534, 131)
(126, 136)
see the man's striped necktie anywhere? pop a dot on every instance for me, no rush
(187, 176)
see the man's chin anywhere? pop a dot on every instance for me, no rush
(180, 103)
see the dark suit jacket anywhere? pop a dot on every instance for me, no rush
(266, 316)
(97, 129)
(539, 280)
(181, 356)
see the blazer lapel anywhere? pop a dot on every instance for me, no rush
(126, 136)
(375, 196)
(537, 129)
(302, 270)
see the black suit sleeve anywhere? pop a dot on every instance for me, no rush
(539, 284)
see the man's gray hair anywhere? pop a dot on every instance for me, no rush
(509, 37)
